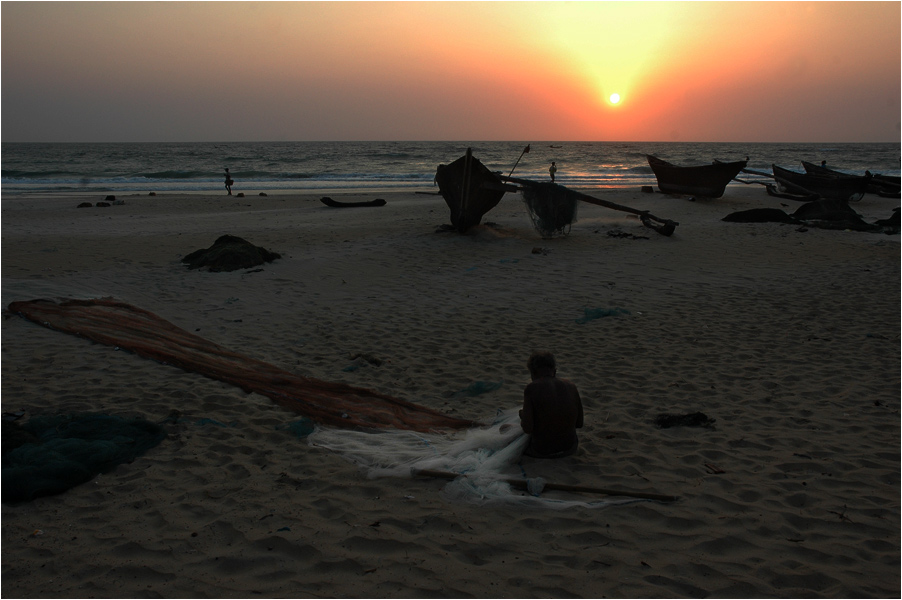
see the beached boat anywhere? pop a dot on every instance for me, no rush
(470, 190)
(887, 186)
(882, 185)
(708, 181)
(836, 186)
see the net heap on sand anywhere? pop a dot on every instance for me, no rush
(551, 207)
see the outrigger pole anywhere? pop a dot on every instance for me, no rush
(522, 484)
(663, 226)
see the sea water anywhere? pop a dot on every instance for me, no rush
(73, 168)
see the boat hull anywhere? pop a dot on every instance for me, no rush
(847, 188)
(709, 181)
(470, 190)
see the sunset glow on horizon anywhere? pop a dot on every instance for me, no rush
(672, 71)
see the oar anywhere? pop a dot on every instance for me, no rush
(524, 485)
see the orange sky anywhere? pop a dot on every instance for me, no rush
(707, 71)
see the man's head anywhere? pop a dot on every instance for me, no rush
(541, 364)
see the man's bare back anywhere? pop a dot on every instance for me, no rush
(552, 412)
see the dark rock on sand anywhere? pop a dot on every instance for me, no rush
(85, 205)
(832, 214)
(892, 224)
(229, 253)
(823, 214)
(760, 215)
(102, 204)
(110, 198)
(697, 419)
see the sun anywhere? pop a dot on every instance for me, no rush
(615, 98)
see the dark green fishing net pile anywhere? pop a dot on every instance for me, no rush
(49, 455)
(551, 207)
(229, 253)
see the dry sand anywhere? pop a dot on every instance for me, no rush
(789, 339)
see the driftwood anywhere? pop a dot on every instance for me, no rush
(341, 204)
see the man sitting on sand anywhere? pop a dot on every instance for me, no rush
(552, 410)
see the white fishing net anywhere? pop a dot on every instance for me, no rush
(482, 457)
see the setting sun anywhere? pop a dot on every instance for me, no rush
(615, 98)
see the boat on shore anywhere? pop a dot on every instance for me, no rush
(835, 185)
(886, 186)
(708, 181)
(470, 190)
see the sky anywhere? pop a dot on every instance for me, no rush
(311, 71)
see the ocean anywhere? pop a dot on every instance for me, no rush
(110, 168)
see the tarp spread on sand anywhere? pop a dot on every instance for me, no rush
(114, 323)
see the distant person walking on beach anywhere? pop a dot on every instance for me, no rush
(552, 410)
(228, 181)
(552, 169)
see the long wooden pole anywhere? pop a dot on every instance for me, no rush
(525, 150)
(524, 485)
(667, 226)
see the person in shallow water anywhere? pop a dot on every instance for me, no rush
(552, 410)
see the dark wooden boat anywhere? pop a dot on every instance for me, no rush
(887, 186)
(336, 204)
(708, 181)
(470, 190)
(882, 185)
(848, 188)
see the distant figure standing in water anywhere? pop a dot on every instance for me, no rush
(228, 181)
(552, 410)
(552, 170)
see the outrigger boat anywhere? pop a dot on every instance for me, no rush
(471, 190)
(708, 181)
(886, 186)
(837, 186)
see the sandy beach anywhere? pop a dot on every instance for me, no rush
(788, 339)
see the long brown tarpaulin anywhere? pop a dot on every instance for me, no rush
(114, 323)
